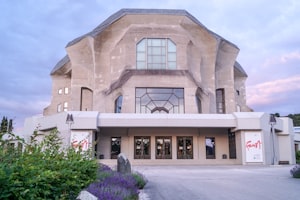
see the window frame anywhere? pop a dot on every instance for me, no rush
(156, 53)
(160, 153)
(211, 155)
(220, 101)
(118, 141)
(159, 100)
(185, 152)
(118, 104)
(142, 154)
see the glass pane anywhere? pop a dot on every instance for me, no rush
(171, 57)
(141, 65)
(171, 65)
(156, 50)
(139, 92)
(115, 147)
(210, 147)
(171, 46)
(145, 100)
(141, 45)
(141, 57)
(157, 42)
(157, 100)
(159, 59)
(159, 96)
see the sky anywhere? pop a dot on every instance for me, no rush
(34, 34)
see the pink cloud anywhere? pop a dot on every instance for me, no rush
(272, 91)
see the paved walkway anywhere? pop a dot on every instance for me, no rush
(219, 183)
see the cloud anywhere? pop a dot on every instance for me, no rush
(33, 39)
(271, 93)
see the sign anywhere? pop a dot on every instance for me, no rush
(80, 140)
(253, 145)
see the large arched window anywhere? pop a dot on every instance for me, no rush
(156, 53)
(159, 100)
(118, 104)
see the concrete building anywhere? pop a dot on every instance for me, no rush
(162, 88)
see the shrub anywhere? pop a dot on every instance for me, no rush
(298, 157)
(43, 171)
(140, 180)
(114, 185)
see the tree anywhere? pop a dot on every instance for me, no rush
(295, 118)
(6, 125)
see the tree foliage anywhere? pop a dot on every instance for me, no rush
(44, 170)
(295, 118)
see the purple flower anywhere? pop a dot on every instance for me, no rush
(115, 186)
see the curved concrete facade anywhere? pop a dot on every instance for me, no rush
(210, 121)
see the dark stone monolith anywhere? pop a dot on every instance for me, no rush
(123, 164)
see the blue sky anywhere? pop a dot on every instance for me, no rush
(34, 33)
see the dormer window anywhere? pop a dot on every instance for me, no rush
(156, 53)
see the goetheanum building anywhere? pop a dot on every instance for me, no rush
(160, 87)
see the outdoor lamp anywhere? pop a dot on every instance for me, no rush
(69, 119)
(272, 123)
(272, 120)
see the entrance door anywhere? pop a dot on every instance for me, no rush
(115, 147)
(184, 147)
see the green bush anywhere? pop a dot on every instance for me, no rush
(140, 179)
(298, 157)
(44, 171)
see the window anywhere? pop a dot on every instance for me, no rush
(118, 104)
(232, 145)
(115, 147)
(66, 90)
(238, 108)
(66, 106)
(199, 106)
(220, 101)
(184, 147)
(163, 147)
(159, 100)
(156, 53)
(142, 147)
(210, 148)
(59, 108)
(60, 91)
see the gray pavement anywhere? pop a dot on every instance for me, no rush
(219, 183)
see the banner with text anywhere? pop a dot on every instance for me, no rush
(80, 140)
(253, 145)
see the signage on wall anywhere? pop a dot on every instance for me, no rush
(80, 140)
(253, 145)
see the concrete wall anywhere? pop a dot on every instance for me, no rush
(100, 62)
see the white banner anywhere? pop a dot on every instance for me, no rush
(80, 140)
(253, 145)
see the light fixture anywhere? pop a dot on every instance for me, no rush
(69, 119)
(272, 122)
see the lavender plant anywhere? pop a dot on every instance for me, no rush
(112, 185)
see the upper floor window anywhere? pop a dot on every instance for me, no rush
(220, 100)
(66, 90)
(159, 100)
(118, 104)
(65, 106)
(156, 53)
